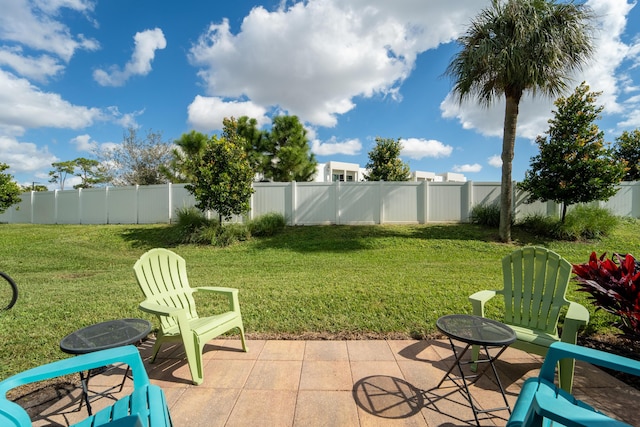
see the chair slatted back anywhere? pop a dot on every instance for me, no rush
(535, 284)
(162, 276)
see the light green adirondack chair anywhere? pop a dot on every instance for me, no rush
(535, 283)
(162, 276)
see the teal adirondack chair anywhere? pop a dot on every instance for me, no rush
(162, 276)
(541, 403)
(535, 284)
(146, 406)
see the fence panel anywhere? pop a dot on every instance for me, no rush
(93, 206)
(122, 205)
(315, 203)
(358, 203)
(400, 202)
(44, 207)
(153, 204)
(274, 198)
(445, 201)
(68, 207)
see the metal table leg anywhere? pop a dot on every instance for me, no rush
(465, 385)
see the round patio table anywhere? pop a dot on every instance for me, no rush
(486, 333)
(102, 336)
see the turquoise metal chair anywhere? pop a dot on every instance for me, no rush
(535, 284)
(162, 277)
(541, 403)
(145, 406)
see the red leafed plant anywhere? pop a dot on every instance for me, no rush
(614, 285)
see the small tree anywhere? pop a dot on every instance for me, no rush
(221, 178)
(189, 145)
(9, 189)
(574, 164)
(627, 148)
(385, 163)
(287, 151)
(90, 172)
(61, 171)
(137, 161)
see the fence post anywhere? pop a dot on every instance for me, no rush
(294, 203)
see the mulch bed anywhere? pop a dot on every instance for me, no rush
(616, 345)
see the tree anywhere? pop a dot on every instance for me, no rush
(9, 189)
(574, 164)
(513, 47)
(385, 163)
(254, 140)
(222, 178)
(287, 153)
(188, 146)
(61, 171)
(627, 148)
(90, 172)
(137, 161)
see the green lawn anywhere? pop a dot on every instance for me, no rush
(330, 281)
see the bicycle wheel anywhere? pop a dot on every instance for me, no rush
(8, 292)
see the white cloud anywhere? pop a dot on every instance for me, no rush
(84, 143)
(23, 106)
(24, 156)
(146, 44)
(38, 69)
(599, 73)
(416, 148)
(495, 161)
(206, 113)
(467, 168)
(326, 53)
(36, 27)
(333, 146)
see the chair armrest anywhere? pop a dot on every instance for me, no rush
(84, 362)
(569, 414)
(562, 350)
(577, 316)
(479, 299)
(160, 310)
(231, 293)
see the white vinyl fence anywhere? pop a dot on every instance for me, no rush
(308, 203)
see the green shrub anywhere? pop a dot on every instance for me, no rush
(484, 214)
(581, 222)
(193, 226)
(587, 222)
(267, 225)
(229, 234)
(540, 225)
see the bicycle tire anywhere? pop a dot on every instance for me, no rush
(14, 291)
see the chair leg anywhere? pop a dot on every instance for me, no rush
(566, 368)
(156, 349)
(475, 355)
(244, 343)
(193, 351)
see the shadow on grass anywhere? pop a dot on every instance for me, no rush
(347, 238)
(151, 237)
(338, 238)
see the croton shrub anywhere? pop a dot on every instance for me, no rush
(614, 285)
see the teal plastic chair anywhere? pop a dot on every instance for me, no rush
(162, 276)
(146, 406)
(535, 284)
(541, 403)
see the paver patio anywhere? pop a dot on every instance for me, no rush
(337, 383)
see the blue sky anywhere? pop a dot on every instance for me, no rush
(75, 74)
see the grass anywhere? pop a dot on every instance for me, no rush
(329, 282)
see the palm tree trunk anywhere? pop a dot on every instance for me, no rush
(508, 144)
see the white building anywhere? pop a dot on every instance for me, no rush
(352, 172)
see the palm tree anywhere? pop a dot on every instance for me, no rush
(515, 46)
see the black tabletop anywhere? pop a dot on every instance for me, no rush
(101, 336)
(476, 330)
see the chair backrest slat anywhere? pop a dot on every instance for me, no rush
(162, 277)
(535, 283)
